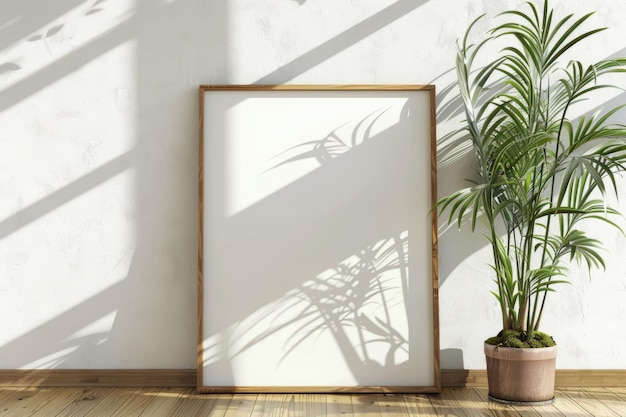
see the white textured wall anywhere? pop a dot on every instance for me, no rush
(98, 162)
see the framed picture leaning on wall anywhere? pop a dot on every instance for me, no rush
(317, 243)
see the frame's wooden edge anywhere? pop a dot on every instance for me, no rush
(318, 390)
(200, 284)
(317, 87)
(565, 378)
(98, 377)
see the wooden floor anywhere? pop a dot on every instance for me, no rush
(184, 402)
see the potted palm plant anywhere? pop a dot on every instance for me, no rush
(542, 178)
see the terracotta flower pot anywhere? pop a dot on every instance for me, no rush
(521, 375)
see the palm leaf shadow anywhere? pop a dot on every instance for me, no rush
(332, 145)
(357, 294)
(361, 302)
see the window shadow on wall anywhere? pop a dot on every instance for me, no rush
(341, 42)
(150, 308)
(162, 275)
(147, 303)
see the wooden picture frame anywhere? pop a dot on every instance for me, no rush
(317, 260)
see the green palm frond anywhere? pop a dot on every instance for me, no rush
(541, 175)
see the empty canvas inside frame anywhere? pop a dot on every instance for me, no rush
(317, 243)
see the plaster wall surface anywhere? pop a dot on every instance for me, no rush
(98, 166)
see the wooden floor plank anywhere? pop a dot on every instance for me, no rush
(305, 405)
(526, 411)
(164, 402)
(137, 402)
(217, 406)
(59, 400)
(495, 408)
(501, 410)
(548, 410)
(420, 405)
(567, 406)
(446, 404)
(190, 403)
(111, 401)
(339, 405)
(81, 406)
(404, 405)
(619, 391)
(388, 404)
(470, 400)
(270, 405)
(589, 403)
(6, 393)
(369, 405)
(241, 405)
(20, 401)
(31, 401)
(608, 398)
(173, 402)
